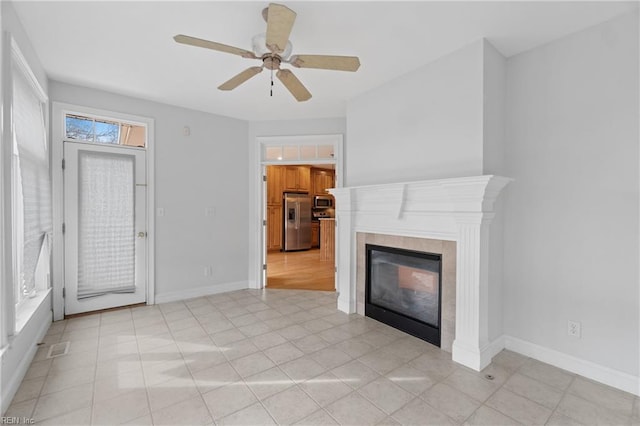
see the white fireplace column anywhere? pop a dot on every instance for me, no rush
(471, 344)
(345, 247)
(459, 209)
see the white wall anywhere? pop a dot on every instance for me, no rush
(426, 124)
(571, 228)
(206, 169)
(16, 357)
(322, 126)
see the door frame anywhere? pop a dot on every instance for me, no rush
(59, 110)
(260, 187)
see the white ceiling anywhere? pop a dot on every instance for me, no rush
(127, 47)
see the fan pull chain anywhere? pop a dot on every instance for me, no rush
(271, 88)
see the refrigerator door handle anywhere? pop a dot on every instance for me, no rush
(297, 215)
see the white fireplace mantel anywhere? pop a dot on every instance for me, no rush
(458, 209)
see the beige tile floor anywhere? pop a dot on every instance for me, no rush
(288, 357)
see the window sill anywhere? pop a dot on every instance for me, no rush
(28, 307)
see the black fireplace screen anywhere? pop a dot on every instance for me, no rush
(403, 290)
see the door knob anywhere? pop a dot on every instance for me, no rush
(142, 234)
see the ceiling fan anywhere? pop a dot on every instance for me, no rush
(274, 48)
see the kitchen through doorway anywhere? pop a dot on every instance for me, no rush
(299, 215)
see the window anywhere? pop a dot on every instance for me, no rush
(103, 131)
(301, 152)
(30, 182)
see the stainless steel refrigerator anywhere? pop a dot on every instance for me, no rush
(297, 221)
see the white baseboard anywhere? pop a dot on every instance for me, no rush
(21, 351)
(174, 296)
(588, 369)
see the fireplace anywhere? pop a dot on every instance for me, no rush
(403, 290)
(454, 212)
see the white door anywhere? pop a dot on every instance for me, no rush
(105, 226)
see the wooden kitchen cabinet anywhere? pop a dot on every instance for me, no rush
(315, 234)
(327, 239)
(297, 178)
(304, 178)
(321, 180)
(274, 227)
(275, 184)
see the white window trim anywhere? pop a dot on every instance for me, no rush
(59, 112)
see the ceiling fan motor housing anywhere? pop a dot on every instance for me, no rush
(271, 62)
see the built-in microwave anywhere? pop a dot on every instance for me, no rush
(323, 201)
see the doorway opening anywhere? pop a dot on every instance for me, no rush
(299, 255)
(299, 168)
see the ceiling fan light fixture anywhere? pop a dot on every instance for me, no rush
(259, 45)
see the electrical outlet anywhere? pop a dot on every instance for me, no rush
(210, 211)
(208, 271)
(160, 212)
(574, 328)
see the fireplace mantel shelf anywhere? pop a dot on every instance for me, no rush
(457, 209)
(466, 194)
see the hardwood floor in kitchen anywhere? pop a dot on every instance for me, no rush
(300, 270)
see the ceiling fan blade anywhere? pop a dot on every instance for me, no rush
(198, 42)
(280, 21)
(240, 78)
(294, 85)
(326, 62)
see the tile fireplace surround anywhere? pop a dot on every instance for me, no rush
(445, 213)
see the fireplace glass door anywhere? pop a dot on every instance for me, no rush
(403, 290)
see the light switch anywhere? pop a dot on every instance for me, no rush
(186, 131)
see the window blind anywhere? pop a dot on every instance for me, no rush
(33, 176)
(106, 239)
